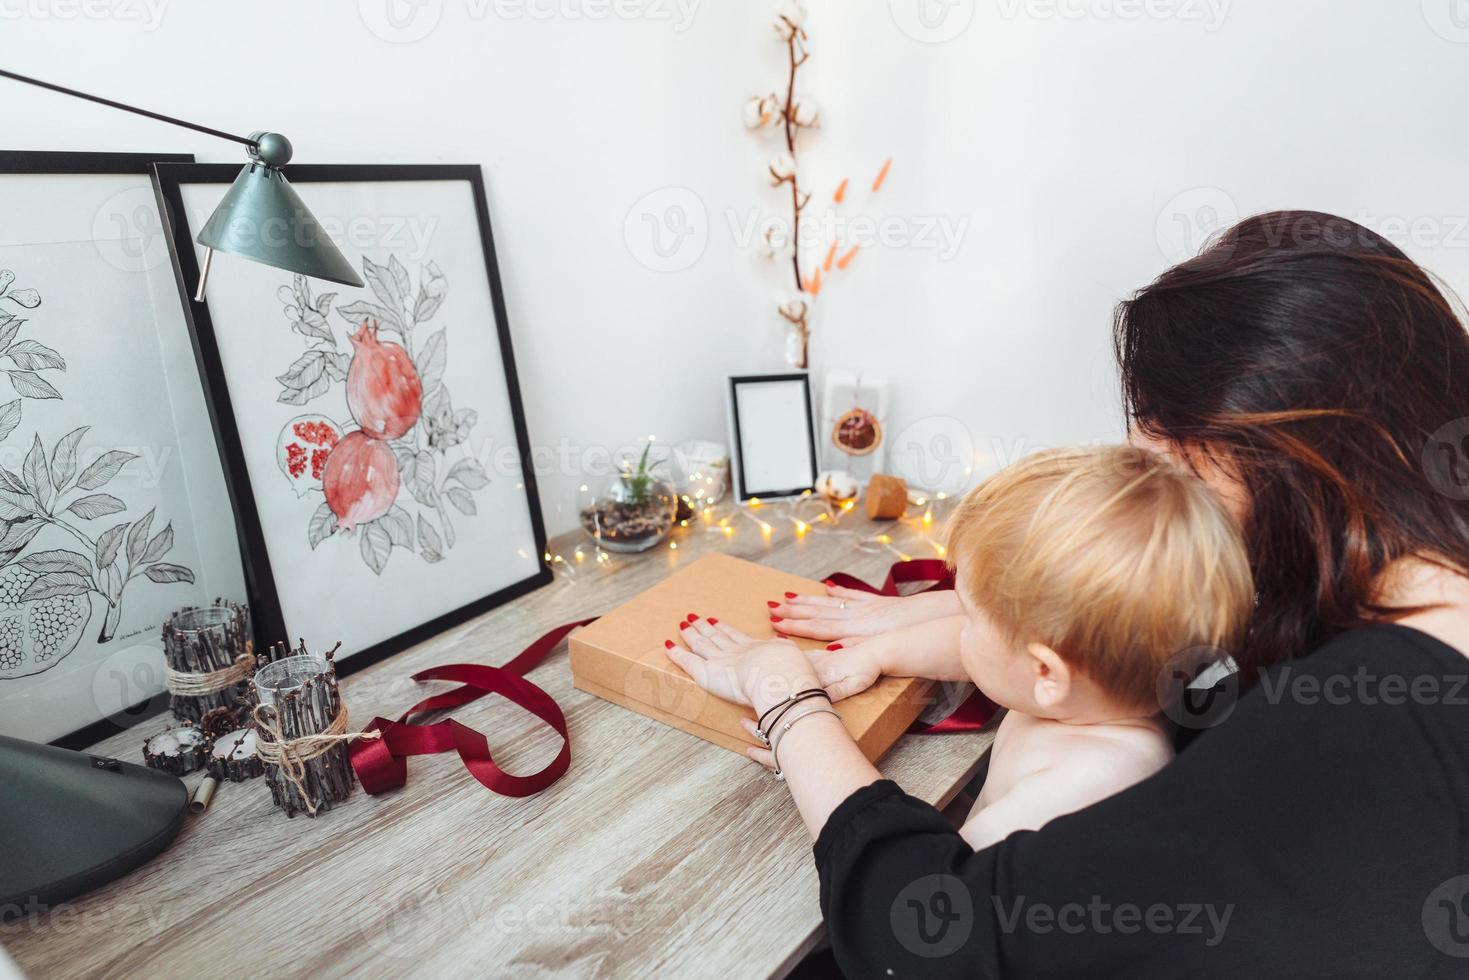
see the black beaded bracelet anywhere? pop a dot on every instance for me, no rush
(763, 733)
(787, 701)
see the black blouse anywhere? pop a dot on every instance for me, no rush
(1321, 829)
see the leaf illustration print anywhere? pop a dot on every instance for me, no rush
(313, 373)
(48, 596)
(24, 360)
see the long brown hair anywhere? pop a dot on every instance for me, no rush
(1310, 358)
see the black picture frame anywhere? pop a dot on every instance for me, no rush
(742, 488)
(265, 607)
(14, 163)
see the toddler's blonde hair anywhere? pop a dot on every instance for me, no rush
(1113, 557)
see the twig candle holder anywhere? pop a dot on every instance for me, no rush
(208, 658)
(177, 751)
(301, 731)
(234, 758)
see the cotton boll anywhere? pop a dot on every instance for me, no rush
(782, 170)
(793, 349)
(774, 243)
(762, 112)
(794, 306)
(837, 486)
(790, 18)
(806, 114)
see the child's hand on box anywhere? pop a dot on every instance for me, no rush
(844, 613)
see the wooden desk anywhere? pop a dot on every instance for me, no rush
(656, 855)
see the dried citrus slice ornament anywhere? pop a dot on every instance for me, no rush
(857, 432)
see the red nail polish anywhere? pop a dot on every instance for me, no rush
(668, 644)
(790, 595)
(827, 581)
(713, 621)
(772, 604)
(775, 619)
(691, 617)
(683, 626)
(833, 646)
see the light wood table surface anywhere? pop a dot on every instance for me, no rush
(657, 854)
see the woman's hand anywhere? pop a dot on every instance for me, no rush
(821, 763)
(733, 666)
(841, 669)
(843, 613)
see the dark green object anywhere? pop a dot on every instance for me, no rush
(640, 481)
(71, 822)
(262, 218)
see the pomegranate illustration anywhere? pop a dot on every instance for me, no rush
(384, 392)
(302, 450)
(36, 633)
(361, 480)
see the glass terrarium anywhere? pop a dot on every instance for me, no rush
(701, 472)
(636, 509)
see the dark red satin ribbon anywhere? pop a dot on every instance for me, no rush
(382, 763)
(977, 709)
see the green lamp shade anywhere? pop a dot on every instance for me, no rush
(262, 218)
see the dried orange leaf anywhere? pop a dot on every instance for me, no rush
(841, 191)
(846, 259)
(882, 174)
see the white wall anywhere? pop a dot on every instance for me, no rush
(1076, 145)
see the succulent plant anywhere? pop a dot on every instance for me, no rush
(640, 481)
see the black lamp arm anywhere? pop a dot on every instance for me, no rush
(128, 108)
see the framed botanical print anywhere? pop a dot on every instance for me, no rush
(110, 487)
(374, 438)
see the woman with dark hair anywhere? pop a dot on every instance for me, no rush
(1319, 826)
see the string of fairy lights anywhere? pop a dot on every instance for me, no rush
(809, 513)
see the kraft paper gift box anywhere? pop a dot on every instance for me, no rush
(621, 656)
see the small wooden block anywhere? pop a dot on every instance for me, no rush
(887, 497)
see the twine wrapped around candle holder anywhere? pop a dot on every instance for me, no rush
(208, 658)
(291, 755)
(301, 731)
